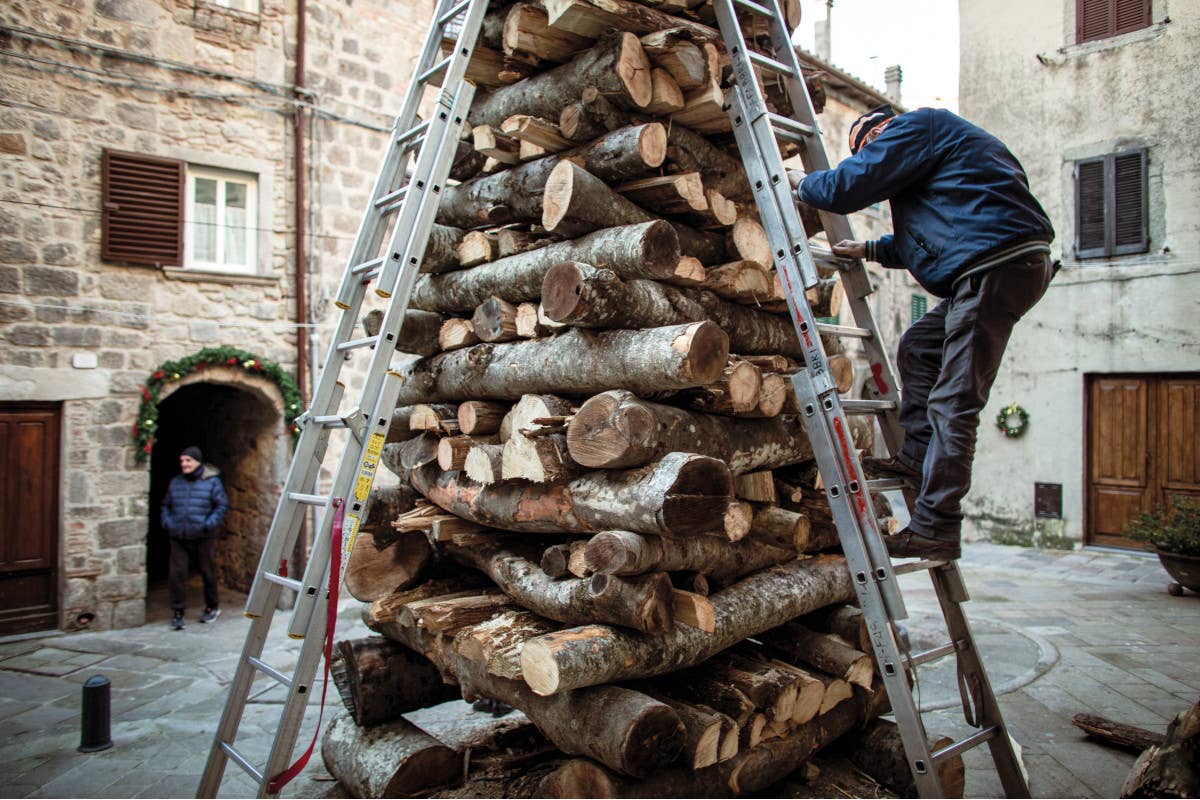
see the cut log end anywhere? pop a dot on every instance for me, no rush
(634, 69)
(707, 347)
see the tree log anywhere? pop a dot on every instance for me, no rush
(692, 152)
(681, 495)
(846, 622)
(456, 333)
(485, 463)
(375, 571)
(1118, 734)
(824, 651)
(617, 429)
(597, 654)
(879, 751)
(616, 65)
(674, 51)
(626, 553)
(481, 417)
(391, 760)
(385, 504)
(495, 320)
(418, 333)
(593, 18)
(379, 680)
(527, 31)
(646, 250)
(577, 362)
(665, 96)
(1171, 769)
(576, 202)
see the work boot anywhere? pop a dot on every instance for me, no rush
(891, 468)
(177, 622)
(210, 615)
(907, 544)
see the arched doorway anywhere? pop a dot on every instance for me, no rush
(237, 420)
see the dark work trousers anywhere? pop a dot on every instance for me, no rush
(177, 576)
(948, 361)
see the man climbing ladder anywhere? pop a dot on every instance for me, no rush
(970, 231)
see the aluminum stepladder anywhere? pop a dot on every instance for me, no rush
(849, 492)
(387, 254)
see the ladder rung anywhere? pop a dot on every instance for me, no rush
(790, 128)
(367, 266)
(887, 484)
(962, 745)
(934, 653)
(239, 759)
(918, 566)
(453, 12)
(756, 8)
(353, 344)
(308, 499)
(439, 67)
(287, 583)
(843, 330)
(868, 406)
(770, 63)
(268, 670)
(415, 130)
(330, 421)
(392, 197)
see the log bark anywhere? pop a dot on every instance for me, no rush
(646, 250)
(577, 362)
(384, 505)
(675, 52)
(495, 320)
(1118, 734)
(527, 31)
(626, 553)
(593, 18)
(373, 571)
(641, 604)
(736, 392)
(846, 622)
(582, 295)
(597, 654)
(779, 527)
(441, 254)
(692, 152)
(616, 65)
(379, 680)
(418, 333)
(681, 495)
(1171, 769)
(879, 751)
(823, 651)
(617, 429)
(391, 760)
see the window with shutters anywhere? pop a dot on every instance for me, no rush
(1100, 19)
(919, 305)
(1110, 205)
(142, 209)
(221, 214)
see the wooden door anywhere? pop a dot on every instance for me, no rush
(1143, 446)
(29, 478)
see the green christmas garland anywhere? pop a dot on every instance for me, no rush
(1004, 420)
(147, 417)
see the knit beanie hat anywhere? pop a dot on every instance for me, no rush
(193, 452)
(866, 123)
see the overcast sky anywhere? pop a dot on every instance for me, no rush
(869, 35)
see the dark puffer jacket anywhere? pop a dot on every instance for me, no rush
(958, 196)
(195, 504)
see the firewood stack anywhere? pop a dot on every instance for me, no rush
(608, 516)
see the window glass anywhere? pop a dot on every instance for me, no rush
(220, 221)
(204, 219)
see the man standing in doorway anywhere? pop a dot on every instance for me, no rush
(969, 230)
(192, 510)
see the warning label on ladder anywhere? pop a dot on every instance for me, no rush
(370, 462)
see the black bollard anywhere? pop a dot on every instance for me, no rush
(97, 706)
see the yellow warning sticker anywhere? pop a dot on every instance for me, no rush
(349, 531)
(370, 462)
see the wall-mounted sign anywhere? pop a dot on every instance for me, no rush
(1047, 500)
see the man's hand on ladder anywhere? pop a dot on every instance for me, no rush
(849, 248)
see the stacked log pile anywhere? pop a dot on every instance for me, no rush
(607, 516)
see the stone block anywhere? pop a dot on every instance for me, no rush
(120, 587)
(14, 313)
(112, 359)
(131, 560)
(137, 115)
(51, 281)
(10, 224)
(13, 143)
(78, 489)
(129, 613)
(61, 253)
(143, 12)
(29, 335)
(77, 336)
(13, 251)
(352, 70)
(51, 311)
(204, 331)
(121, 532)
(127, 339)
(47, 129)
(350, 46)
(110, 434)
(79, 593)
(383, 80)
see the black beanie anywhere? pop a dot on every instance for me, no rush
(193, 452)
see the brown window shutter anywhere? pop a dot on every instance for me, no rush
(143, 209)
(1131, 15)
(1089, 209)
(1093, 20)
(1129, 217)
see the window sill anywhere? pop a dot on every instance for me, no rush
(1072, 51)
(201, 276)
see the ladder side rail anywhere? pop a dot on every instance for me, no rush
(951, 593)
(413, 225)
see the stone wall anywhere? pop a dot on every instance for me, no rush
(182, 79)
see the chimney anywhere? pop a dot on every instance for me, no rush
(893, 75)
(824, 35)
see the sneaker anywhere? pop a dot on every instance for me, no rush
(907, 544)
(210, 614)
(177, 622)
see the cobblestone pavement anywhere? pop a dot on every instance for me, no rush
(1061, 632)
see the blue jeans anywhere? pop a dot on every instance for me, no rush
(947, 362)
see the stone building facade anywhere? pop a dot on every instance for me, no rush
(208, 85)
(1096, 101)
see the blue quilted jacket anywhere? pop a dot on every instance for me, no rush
(194, 507)
(958, 196)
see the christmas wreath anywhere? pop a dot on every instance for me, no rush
(147, 417)
(1012, 420)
